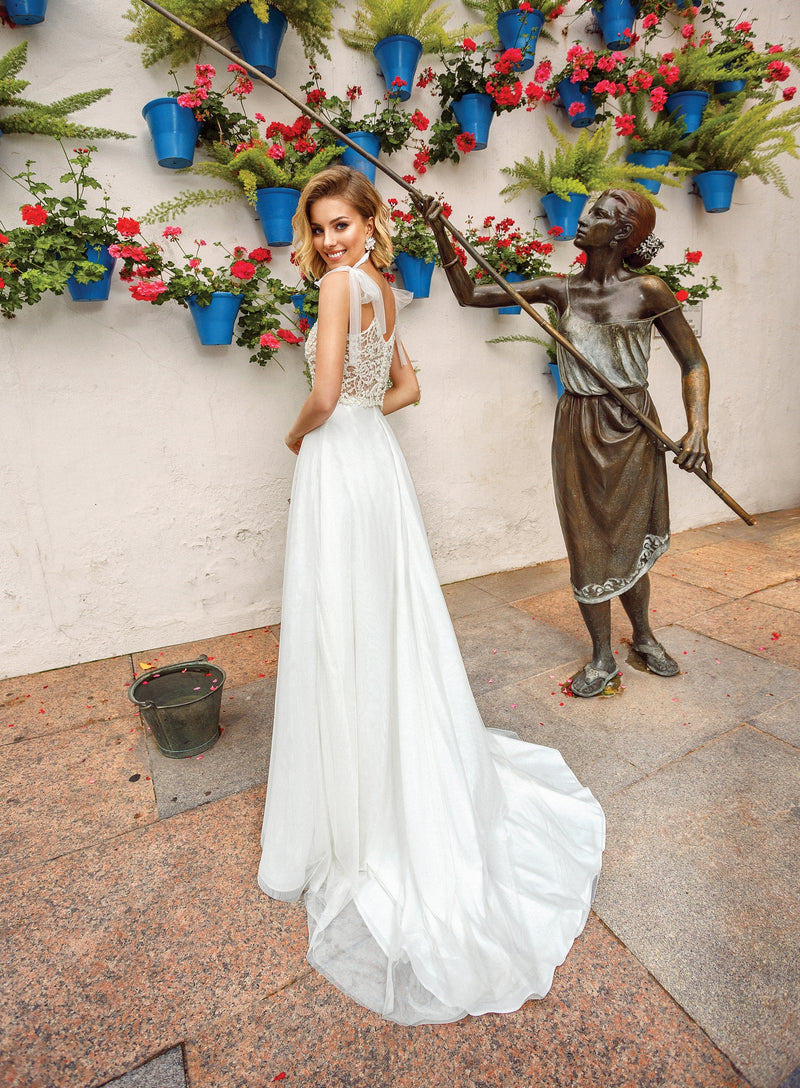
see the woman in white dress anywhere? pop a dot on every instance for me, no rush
(446, 868)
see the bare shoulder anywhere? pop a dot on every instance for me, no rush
(656, 293)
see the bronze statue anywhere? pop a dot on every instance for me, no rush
(609, 473)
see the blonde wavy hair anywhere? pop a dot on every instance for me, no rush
(357, 190)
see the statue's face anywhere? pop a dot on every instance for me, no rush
(600, 224)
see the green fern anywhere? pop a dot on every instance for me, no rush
(378, 19)
(312, 20)
(584, 166)
(183, 202)
(41, 119)
(746, 139)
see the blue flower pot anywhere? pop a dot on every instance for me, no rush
(569, 93)
(215, 322)
(398, 56)
(651, 159)
(511, 277)
(556, 378)
(564, 213)
(275, 209)
(716, 189)
(688, 106)
(614, 18)
(729, 86)
(297, 301)
(174, 130)
(98, 290)
(520, 30)
(26, 12)
(258, 42)
(416, 273)
(371, 143)
(474, 114)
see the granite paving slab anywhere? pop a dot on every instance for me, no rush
(464, 598)
(116, 952)
(786, 595)
(782, 721)
(733, 567)
(79, 695)
(246, 656)
(597, 766)
(754, 625)
(771, 526)
(506, 645)
(701, 883)
(164, 1071)
(653, 719)
(64, 791)
(237, 761)
(511, 585)
(604, 1024)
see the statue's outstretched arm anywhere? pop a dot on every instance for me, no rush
(695, 386)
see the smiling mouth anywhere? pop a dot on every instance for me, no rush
(333, 256)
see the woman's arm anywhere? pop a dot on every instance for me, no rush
(695, 386)
(333, 321)
(547, 289)
(405, 387)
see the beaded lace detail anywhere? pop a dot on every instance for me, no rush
(366, 383)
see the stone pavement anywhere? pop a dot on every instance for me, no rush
(138, 951)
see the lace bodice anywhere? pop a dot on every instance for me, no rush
(365, 381)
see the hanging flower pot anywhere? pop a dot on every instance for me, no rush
(729, 86)
(688, 107)
(26, 12)
(97, 290)
(520, 30)
(258, 42)
(474, 115)
(298, 301)
(511, 277)
(556, 378)
(716, 189)
(571, 95)
(564, 213)
(650, 158)
(174, 129)
(398, 56)
(416, 273)
(214, 322)
(371, 143)
(615, 17)
(275, 207)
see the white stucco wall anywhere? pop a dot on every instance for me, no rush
(144, 479)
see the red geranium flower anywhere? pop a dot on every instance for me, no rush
(681, 295)
(243, 270)
(127, 227)
(465, 142)
(34, 214)
(260, 254)
(693, 256)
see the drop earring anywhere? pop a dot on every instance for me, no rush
(369, 244)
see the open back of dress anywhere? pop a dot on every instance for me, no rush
(446, 868)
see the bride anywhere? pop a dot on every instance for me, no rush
(446, 868)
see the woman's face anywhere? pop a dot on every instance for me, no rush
(601, 224)
(339, 231)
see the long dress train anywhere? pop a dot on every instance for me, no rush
(447, 868)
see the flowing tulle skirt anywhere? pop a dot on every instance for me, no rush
(446, 868)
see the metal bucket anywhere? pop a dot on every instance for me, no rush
(181, 705)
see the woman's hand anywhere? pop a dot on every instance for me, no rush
(694, 450)
(293, 442)
(429, 208)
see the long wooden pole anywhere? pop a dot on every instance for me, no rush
(419, 198)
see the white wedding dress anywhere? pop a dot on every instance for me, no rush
(447, 868)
